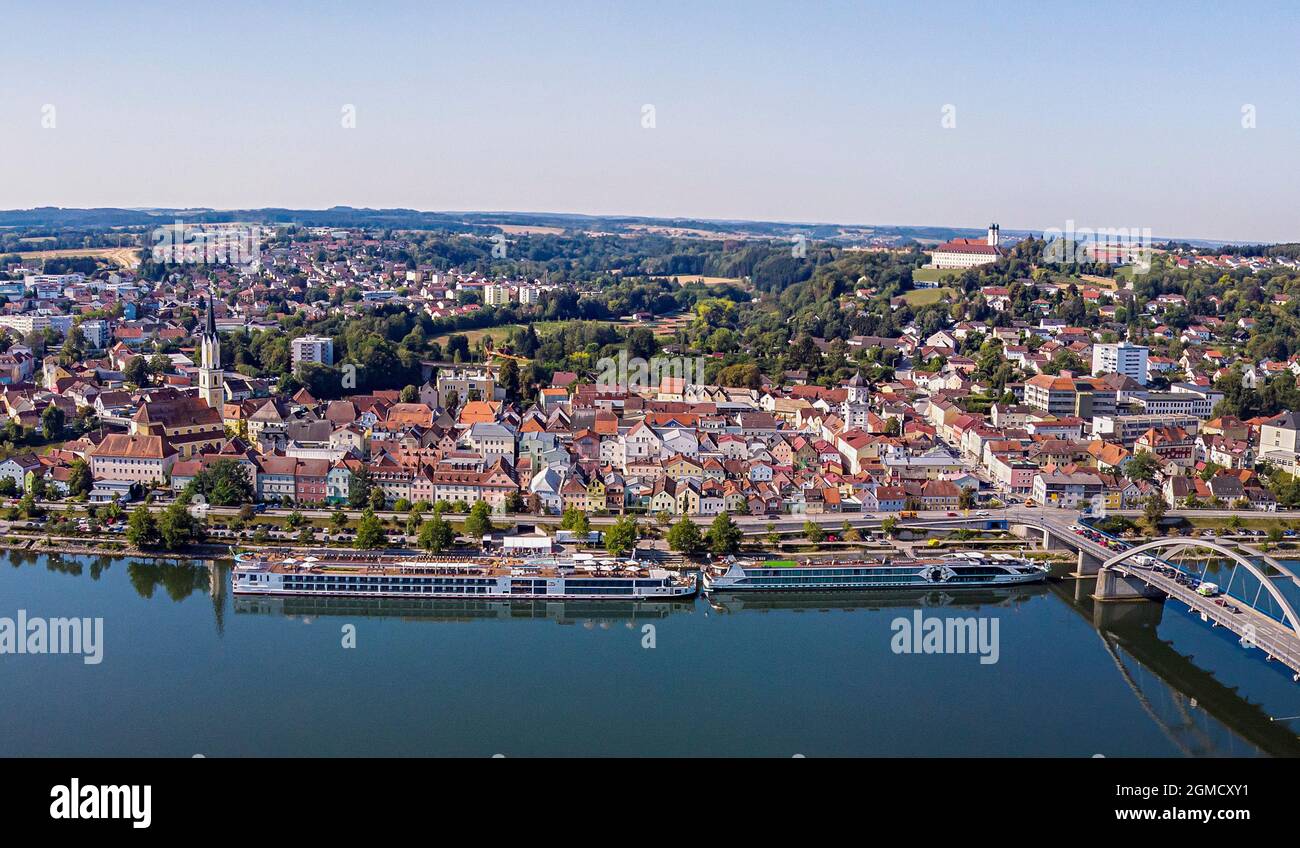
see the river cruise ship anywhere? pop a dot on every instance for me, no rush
(580, 577)
(953, 571)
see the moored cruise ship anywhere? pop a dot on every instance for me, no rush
(953, 571)
(580, 577)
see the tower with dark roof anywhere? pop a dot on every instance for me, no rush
(212, 380)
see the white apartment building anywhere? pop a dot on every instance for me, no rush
(496, 295)
(97, 333)
(25, 324)
(317, 349)
(1130, 360)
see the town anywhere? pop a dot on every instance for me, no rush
(209, 385)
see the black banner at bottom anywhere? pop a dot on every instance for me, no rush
(142, 798)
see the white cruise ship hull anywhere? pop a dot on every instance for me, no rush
(253, 576)
(964, 573)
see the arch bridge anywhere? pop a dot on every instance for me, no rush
(1259, 612)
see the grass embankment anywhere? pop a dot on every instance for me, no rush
(926, 297)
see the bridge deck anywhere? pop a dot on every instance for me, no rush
(1276, 640)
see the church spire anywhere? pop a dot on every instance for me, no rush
(211, 379)
(210, 327)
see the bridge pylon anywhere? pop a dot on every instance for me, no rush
(1088, 565)
(1116, 585)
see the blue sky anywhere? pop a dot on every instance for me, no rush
(1110, 115)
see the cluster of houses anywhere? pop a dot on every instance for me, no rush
(679, 448)
(929, 437)
(121, 315)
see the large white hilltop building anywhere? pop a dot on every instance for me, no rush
(968, 253)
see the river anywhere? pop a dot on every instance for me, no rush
(187, 669)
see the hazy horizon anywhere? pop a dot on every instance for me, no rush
(1006, 230)
(1112, 116)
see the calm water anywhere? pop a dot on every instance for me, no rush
(190, 671)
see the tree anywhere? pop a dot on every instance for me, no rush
(1141, 467)
(80, 480)
(813, 532)
(889, 525)
(479, 522)
(177, 527)
(515, 502)
(307, 535)
(52, 422)
(74, 346)
(370, 533)
(576, 520)
(436, 535)
(773, 536)
(685, 537)
(141, 529)
(724, 535)
(294, 520)
(509, 380)
(137, 372)
(223, 483)
(410, 394)
(622, 537)
(159, 364)
(376, 498)
(27, 506)
(1153, 510)
(359, 485)
(966, 499)
(414, 517)
(339, 518)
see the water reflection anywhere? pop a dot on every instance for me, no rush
(1196, 712)
(179, 580)
(973, 599)
(1192, 709)
(456, 609)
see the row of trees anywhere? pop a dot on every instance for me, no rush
(724, 536)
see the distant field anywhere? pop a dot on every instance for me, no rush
(934, 275)
(500, 334)
(526, 230)
(686, 232)
(925, 297)
(1104, 282)
(687, 279)
(123, 257)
